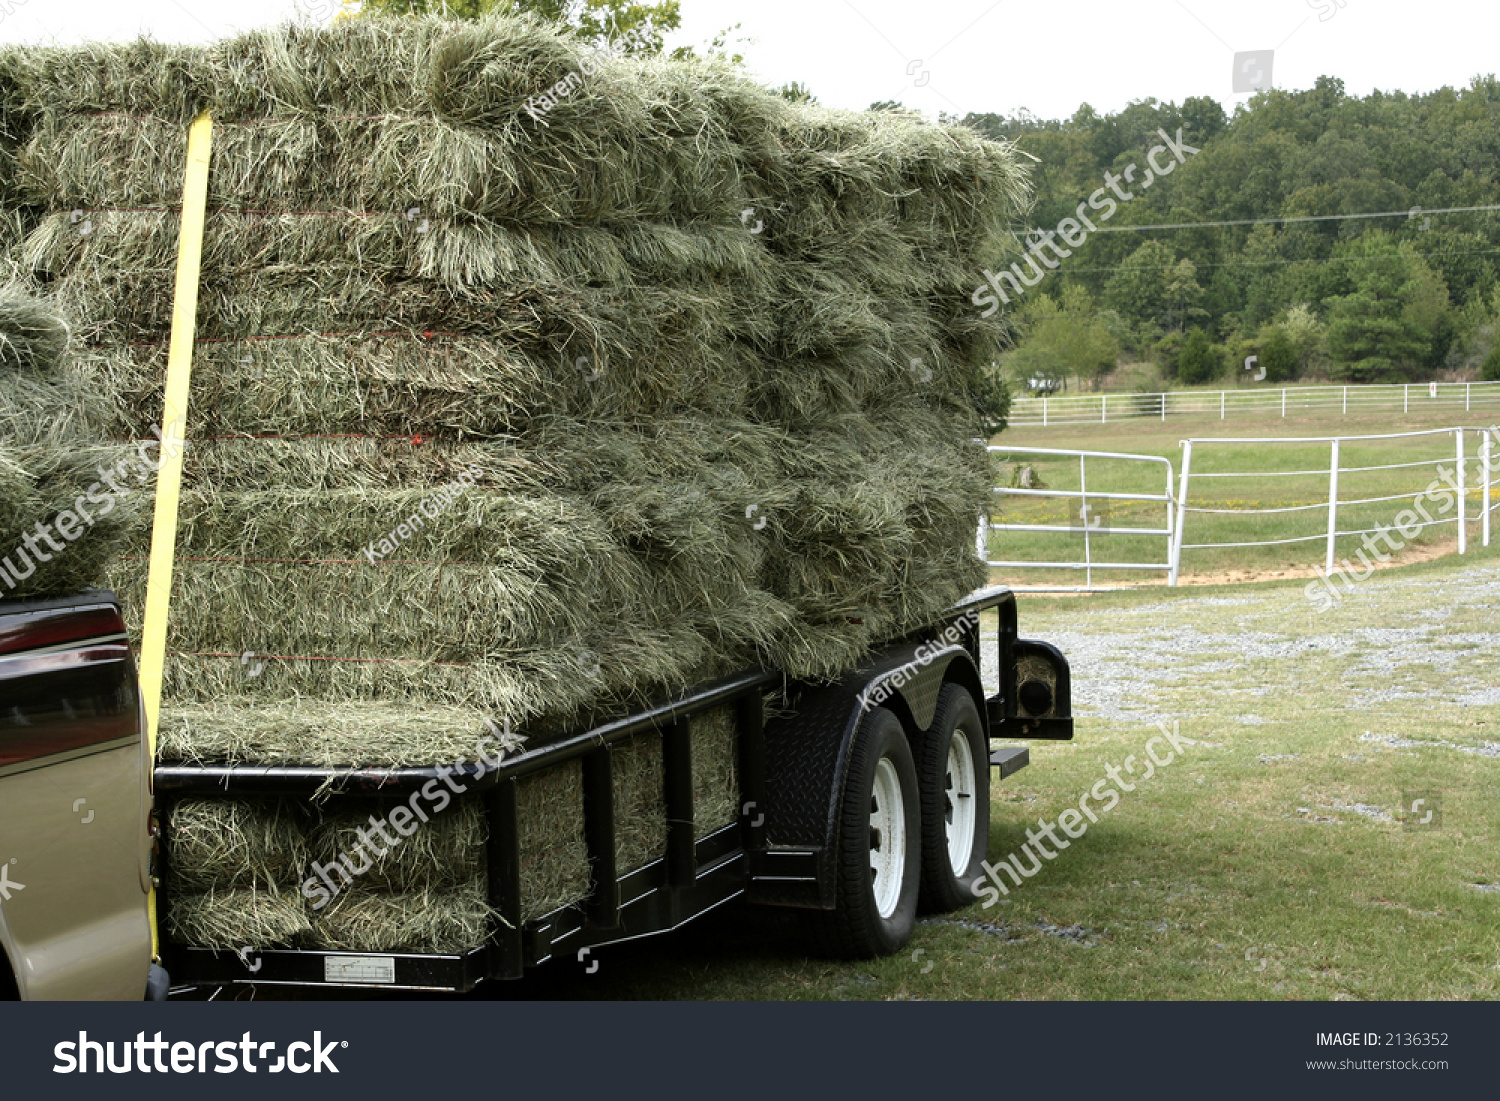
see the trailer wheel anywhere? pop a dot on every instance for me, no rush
(955, 777)
(879, 861)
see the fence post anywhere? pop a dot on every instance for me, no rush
(1463, 499)
(1406, 398)
(1283, 403)
(1174, 561)
(1104, 408)
(1486, 450)
(1164, 407)
(1222, 395)
(982, 540)
(1346, 401)
(1333, 506)
(1044, 410)
(1468, 399)
(1083, 514)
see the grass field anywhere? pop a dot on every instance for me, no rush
(1279, 486)
(1270, 862)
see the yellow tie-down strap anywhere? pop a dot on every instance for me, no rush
(173, 429)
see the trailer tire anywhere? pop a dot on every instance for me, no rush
(879, 859)
(954, 771)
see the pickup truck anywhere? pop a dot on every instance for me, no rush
(75, 842)
(860, 801)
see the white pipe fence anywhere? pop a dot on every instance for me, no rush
(1177, 498)
(1456, 481)
(1088, 524)
(1044, 412)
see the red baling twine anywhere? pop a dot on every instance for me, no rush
(305, 657)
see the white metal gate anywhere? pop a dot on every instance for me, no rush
(1335, 467)
(1088, 524)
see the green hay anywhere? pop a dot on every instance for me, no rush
(640, 805)
(228, 843)
(716, 785)
(447, 851)
(554, 857)
(319, 732)
(702, 447)
(241, 917)
(50, 454)
(441, 920)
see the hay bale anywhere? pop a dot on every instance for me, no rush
(716, 784)
(441, 920)
(60, 523)
(554, 856)
(446, 852)
(640, 803)
(239, 917)
(231, 843)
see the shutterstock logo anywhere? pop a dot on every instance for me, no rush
(86, 1056)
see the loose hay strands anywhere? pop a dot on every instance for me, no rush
(51, 453)
(239, 917)
(554, 855)
(225, 843)
(443, 920)
(716, 789)
(444, 852)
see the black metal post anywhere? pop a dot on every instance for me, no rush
(677, 770)
(603, 906)
(506, 956)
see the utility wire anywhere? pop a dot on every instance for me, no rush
(1411, 213)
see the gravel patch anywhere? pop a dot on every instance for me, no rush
(987, 928)
(1489, 749)
(1377, 813)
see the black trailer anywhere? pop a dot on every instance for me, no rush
(861, 801)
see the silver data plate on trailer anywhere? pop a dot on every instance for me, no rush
(359, 969)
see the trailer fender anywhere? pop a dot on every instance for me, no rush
(807, 762)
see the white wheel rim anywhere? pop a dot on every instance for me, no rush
(887, 838)
(960, 803)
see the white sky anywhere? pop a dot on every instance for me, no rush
(980, 55)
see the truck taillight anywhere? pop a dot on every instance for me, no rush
(67, 681)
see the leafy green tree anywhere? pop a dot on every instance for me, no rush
(1490, 372)
(1182, 296)
(1167, 352)
(796, 92)
(1197, 363)
(1302, 327)
(1063, 340)
(1427, 306)
(635, 27)
(990, 398)
(1278, 355)
(1370, 338)
(1139, 288)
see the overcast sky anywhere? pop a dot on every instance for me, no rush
(970, 55)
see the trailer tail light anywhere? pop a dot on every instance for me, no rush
(67, 681)
(1044, 692)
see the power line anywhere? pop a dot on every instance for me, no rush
(1269, 263)
(1411, 213)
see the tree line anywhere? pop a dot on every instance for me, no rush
(1338, 295)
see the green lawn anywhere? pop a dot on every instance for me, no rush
(1269, 862)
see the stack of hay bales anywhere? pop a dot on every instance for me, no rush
(512, 406)
(60, 522)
